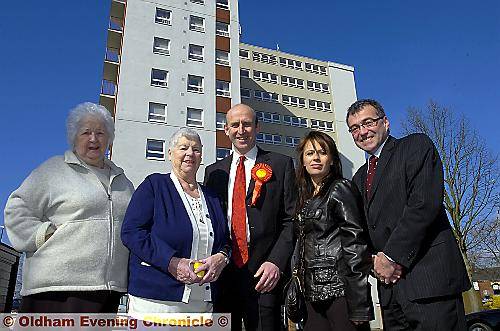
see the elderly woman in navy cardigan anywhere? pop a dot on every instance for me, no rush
(171, 223)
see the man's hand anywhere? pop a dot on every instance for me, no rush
(269, 275)
(386, 270)
(212, 266)
(182, 270)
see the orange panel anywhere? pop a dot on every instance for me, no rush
(222, 105)
(222, 15)
(221, 140)
(222, 43)
(223, 73)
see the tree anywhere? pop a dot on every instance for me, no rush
(471, 176)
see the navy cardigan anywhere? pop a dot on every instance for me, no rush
(156, 228)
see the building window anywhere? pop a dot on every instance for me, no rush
(244, 73)
(244, 54)
(161, 46)
(266, 96)
(159, 78)
(265, 58)
(223, 4)
(220, 121)
(316, 86)
(155, 149)
(292, 81)
(222, 153)
(222, 88)
(196, 23)
(292, 141)
(267, 138)
(266, 117)
(157, 112)
(222, 29)
(194, 117)
(320, 105)
(290, 63)
(322, 125)
(201, 2)
(245, 93)
(163, 16)
(293, 101)
(195, 84)
(222, 58)
(316, 68)
(265, 76)
(195, 52)
(295, 121)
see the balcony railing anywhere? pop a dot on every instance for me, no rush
(115, 23)
(112, 54)
(108, 87)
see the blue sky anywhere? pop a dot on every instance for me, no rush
(404, 54)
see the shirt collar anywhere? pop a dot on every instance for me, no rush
(378, 151)
(250, 155)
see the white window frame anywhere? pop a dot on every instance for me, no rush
(315, 68)
(155, 153)
(321, 125)
(222, 88)
(222, 29)
(292, 82)
(266, 117)
(291, 63)
(300, 122)
(226, 152)
(222, 4)
(220, 121)
(317, 86)
(222, 58)
(157, 117)
(320, 105)
(244, 96)
(246, 71)
(264, 58)
(195, 56)
(200, 2)
(196, 27)
(244, 54)
(159, 49)
(265, 76)
(266, 96)
(293, 101)
(197, 88)
(163, 19)
(157, 81)
(292, 141)
(269, 138)
(194, 122)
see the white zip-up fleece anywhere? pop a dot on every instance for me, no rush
(85, 253)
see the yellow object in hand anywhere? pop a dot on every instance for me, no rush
(196, 265)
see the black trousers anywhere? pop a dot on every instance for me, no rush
(330, 315)
(237, 295)
(431, 314)
(71, 302)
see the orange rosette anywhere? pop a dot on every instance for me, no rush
(261, 173)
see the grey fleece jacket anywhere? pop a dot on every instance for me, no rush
(85, 252)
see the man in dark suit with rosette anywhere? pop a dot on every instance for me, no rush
(416, 257)
(257, 189)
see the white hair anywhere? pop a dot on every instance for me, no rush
(186, 133)
(84, 110)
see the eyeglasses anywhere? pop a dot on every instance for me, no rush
(367, 124)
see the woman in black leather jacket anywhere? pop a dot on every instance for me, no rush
(333, 252)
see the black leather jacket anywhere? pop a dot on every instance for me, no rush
(336, 261)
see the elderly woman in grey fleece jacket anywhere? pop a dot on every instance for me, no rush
(67, 216)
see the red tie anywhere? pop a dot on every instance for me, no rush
(372, 167)
(238, 217)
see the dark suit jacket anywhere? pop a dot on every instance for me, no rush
(270, 220)
(407, 220)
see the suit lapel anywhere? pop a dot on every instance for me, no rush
(382, 163)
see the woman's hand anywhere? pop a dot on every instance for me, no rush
(182, 270)
(213, 266)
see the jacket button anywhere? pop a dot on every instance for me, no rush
(207, 288)
(374, 226)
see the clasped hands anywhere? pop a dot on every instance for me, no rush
(386, 270)
(182, 269)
